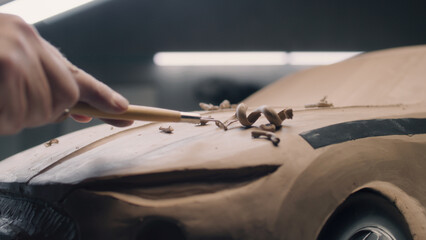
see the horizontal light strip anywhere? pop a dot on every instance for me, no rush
(219, 58)
(33, 11)
(249, 58)
(319, 58)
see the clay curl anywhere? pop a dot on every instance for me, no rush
(273, 117)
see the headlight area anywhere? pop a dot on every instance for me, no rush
(159, 205)
(182, 183)
(25, 218)
(153, 228)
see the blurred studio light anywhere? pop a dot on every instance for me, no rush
(219, 58)
(33, 11)
(249, 58)
(319, 58)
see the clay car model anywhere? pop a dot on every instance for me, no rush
(352, 166)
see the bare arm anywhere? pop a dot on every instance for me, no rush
(37, 83)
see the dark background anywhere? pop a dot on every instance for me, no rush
(115, 41)
(133, 30)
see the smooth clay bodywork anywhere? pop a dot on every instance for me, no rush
(109, 183)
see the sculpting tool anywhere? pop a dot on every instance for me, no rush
(143, 113)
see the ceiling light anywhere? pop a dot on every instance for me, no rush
(319, 58)
(219, 58)
(33, 11)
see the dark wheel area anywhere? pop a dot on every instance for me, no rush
(366, 215)
(158, 228)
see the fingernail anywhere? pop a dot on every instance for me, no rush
(120, 102)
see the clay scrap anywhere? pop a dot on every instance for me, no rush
(51, 142)
(221, 125)
(204, 122)
(323, 103)
(268, 127)
(218, 123)
(166, 129)
(268, 135)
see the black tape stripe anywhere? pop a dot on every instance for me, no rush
(347, 131)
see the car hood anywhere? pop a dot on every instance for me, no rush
(365, 87)
(105, 151)
(392, 76)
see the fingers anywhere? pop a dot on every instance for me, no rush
(12, 111)
(37, 83)
(16, 95)
(98, 94)
(118, 123)
(81, 118)
(101, 97)
(93, 92)
(63, 87)
(114, 122)
(42, 86)
(62, 117)
(37, 94)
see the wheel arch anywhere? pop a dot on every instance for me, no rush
(414, 213)
(393, 167)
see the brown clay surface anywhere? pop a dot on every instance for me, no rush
(394, 76)
(225, 183)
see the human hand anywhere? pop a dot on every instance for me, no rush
(37, 83)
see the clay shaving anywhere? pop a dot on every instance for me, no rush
(166, 130)
(268, 127)
(225, 104)
(218, 123)
(204, 122)
(275, 120)
(51, 142)
(208, 106)
(273, 117)
(268, 135)
(323, 103)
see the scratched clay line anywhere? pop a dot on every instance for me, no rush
(88, 148)
(273, 117)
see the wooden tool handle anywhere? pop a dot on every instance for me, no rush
(134, 112)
